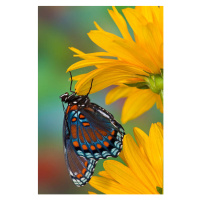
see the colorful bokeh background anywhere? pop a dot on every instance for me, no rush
(58, 29)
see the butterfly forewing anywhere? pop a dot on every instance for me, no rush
(93, 132)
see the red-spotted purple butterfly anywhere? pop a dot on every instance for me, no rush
(90, 133)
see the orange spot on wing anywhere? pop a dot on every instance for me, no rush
(74, 107)
(81, 116)
(74, 119)
(92, 135)
(102, 132)
(84, 147)
(110, 137)
(113, 132)
(106, 143)
(76, 144)
(92, 147)
(67, 109)
(98, 135)
(86, 124)
(83, 171)
(80, 135)
(86, 163)
(79, 175)
(99, 146)
(73, 131)
(90, 109)
(86, 136)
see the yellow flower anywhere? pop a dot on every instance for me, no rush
(143, 172)
(134, 65)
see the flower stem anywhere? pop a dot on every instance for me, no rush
(161, 95)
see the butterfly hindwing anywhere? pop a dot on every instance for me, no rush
(94, 133)
(80, 168)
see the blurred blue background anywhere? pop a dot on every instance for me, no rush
(58, 29)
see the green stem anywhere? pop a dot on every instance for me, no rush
(161, 95)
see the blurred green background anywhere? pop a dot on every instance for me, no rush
(58, 29)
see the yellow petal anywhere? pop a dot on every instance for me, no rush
(123, 175)
(147, 149)
(137, 103)
(91, 192)
(93, 55)
(159, 103)
(142, 140)
(88, 55)
(98, 27)
(147, 37)
(105, 175)
(135, 19)
(117, 93)
(151, 40)
(121, 155)
(121, 48)
(75, 50)
(102, 78)
(155, 150)
(157, 13)
(145, 11)
(160, 126)
(87, 63)
(78, 77)
(139, 165)
(121, 24)
(140, 57)
(108, 186)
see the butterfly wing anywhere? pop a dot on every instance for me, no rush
(80, 168)
(94, 133)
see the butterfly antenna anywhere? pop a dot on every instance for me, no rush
(90, 88)
(71, 82)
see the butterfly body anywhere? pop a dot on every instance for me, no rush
(90, 133)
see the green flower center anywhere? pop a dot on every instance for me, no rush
(155, 82)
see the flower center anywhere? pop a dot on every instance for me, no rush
(155, 82)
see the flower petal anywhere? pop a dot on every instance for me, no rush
(88, 55)
(102, 78)
(142, 140)
(91, 192)
(122, 49)
(123, 175)
(94, 55)
(152, 41)
(117, 93)
(78, 77)
(108, 186)
(139, 165)
(159, 103)
(155, 150)
(121, 155)
(87, 63)
(148, 150)
(137, 103)
(147, 35)
(105, 175)
(121, 24)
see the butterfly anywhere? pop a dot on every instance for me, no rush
(90, 133)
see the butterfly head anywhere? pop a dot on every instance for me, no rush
(67, 97)
(75, 99)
